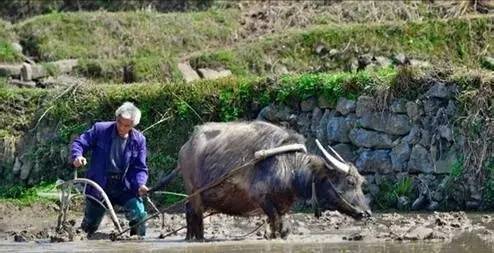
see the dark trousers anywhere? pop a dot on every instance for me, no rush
(133, 206)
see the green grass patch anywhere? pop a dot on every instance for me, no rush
(7, 52)
(23, 195)
(105, 42)
(459, 42)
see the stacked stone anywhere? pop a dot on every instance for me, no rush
(403, 139)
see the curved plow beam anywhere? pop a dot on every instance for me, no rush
(66, 196)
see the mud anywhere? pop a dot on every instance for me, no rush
(38, 223)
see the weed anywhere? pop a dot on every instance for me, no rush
(457, 169)
(389, 192)
(25, 195)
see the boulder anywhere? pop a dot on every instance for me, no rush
(413, 137)
(420, 160)
(303, 122)
(17, 166)
(10, 70)
(401, 59)
(323, 102)
(420, 202)
(445, 132)
(345, 106)
(321, 133)
(437, 196)
(20, 83)
(338, 129)
(413, 111)
(308, 105)
(321, 49)
(370, 139)
(26, 167)
(452, 108)
(488, 62)
(188, 73)
(17, 47)
(345, 151)
(365, 104)
(373, 189)
(211, 74)
(445, 163)
(425, 138)
(374, 161)
(420, 64)
(433, 104)
(382, 61)
(399, 106)
(395, 124)
(400, 155)
(274, 113)
(317, 114)
(433, 206)
(439, 90)
(65, 66)
(403, 203)
(26, 72)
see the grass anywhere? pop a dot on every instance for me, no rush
(153, 43)
(18, 107)
(389, 192)
(22, 195)
(149, 41)
(458, 42)
(7, 52)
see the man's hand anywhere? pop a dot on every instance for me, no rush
(143, 190)
(79, 161)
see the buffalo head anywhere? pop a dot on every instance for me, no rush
(338, 185)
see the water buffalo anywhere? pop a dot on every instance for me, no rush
(269, 186)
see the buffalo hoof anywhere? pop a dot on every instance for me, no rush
(285, 231)
(269, 234)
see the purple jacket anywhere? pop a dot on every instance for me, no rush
(98, 139)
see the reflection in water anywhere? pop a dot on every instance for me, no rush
(466, 242)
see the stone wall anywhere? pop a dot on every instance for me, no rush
(390, 143)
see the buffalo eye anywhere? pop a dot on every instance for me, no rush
(351, 181)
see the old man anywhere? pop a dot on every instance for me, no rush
(117, 164)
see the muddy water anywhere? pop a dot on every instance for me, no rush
(473, 233)
(466, 242)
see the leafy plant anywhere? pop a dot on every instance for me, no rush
(389, 192)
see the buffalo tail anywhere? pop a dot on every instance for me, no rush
(164, 181)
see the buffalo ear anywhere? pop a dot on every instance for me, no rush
(319, 165)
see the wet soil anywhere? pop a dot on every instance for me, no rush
(37, 223)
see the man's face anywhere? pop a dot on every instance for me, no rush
(124, 126)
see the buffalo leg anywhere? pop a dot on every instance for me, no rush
(189, 218)
(274, 219)
(284, 228)
(195, 222)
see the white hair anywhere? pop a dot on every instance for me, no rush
(129, 111)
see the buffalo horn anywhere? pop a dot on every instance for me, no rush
(338, 164)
